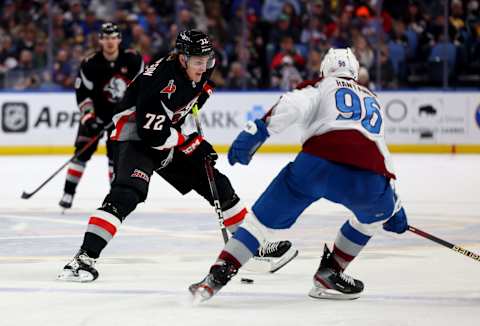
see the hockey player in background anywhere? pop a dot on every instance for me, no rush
(100, 85)
(344, 159)
(152, 135)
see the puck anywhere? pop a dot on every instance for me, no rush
(246, 280)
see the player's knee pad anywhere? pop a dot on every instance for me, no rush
(256, 228)
(121, 201)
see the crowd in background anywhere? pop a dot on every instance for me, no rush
(269, 44)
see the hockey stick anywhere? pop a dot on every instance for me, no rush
(444, 243)
(211, 179)
(27, 195)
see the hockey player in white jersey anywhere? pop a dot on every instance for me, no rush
(344, 159)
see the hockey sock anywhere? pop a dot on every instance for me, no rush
(351, 239)
(234, 216)
(74, 174)
(240, 248)
(101, 228)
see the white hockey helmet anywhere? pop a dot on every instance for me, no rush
(340, 63)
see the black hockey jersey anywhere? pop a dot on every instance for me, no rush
(157, 103)
(101, 84)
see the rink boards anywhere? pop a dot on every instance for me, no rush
(414, 122)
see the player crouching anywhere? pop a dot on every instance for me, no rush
(344, 159)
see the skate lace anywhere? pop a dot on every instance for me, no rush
(269, 248)
(347, 278)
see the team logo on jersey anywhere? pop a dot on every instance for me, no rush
(124, 70)
(15, 117)
(169, 89)
(140, 174)
(115, 88)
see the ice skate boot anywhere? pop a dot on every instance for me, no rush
(79, 269)
(330, 283)
(272, 256)
(66, 201)
(220, 274)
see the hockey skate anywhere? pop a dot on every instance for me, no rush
(79, 269)
(329, 283)
(66, 201)
(272, 256)
(219, 276)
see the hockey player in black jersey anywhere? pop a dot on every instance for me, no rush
(151, 136)
(100, 85)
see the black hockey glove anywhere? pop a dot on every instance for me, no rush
(92, 125)
(198, 148)
(206, 92)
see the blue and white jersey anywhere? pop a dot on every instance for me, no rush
(342, 121)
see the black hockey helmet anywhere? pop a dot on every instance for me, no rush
(109, 29)
(193, 42)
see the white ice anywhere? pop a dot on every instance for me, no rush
(170, 241)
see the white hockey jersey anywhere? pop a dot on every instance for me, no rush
(342, 121)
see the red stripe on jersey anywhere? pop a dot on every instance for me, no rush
(237, 218)
(74, 173)
(348, 147)
(341, 254)
(107, 226)
(226, 256)
(120, 124)
(181, 138)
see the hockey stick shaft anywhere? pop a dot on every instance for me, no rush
(444, 243)
(211, 180)
(27, 195)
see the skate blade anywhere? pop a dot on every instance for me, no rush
(68, 276)
(200, 295)
(286, 258)
(330, 294)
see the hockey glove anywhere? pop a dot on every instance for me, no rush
(206, 93)
(197, 148)
(397, 223)
(247, 142)
(91, 124)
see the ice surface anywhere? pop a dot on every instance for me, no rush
(170, 241)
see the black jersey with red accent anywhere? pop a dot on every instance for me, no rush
(157, 104)
(101, 84)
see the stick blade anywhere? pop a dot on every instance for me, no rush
(26, 195)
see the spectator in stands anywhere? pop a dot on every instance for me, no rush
(24, 73)
(387, 74)
(287, 48)
(272, 9)
(40, 54)
(239, 78)
(363, 52)
(286, 76)
(91, 24)
(314, 60)
(63, 74)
